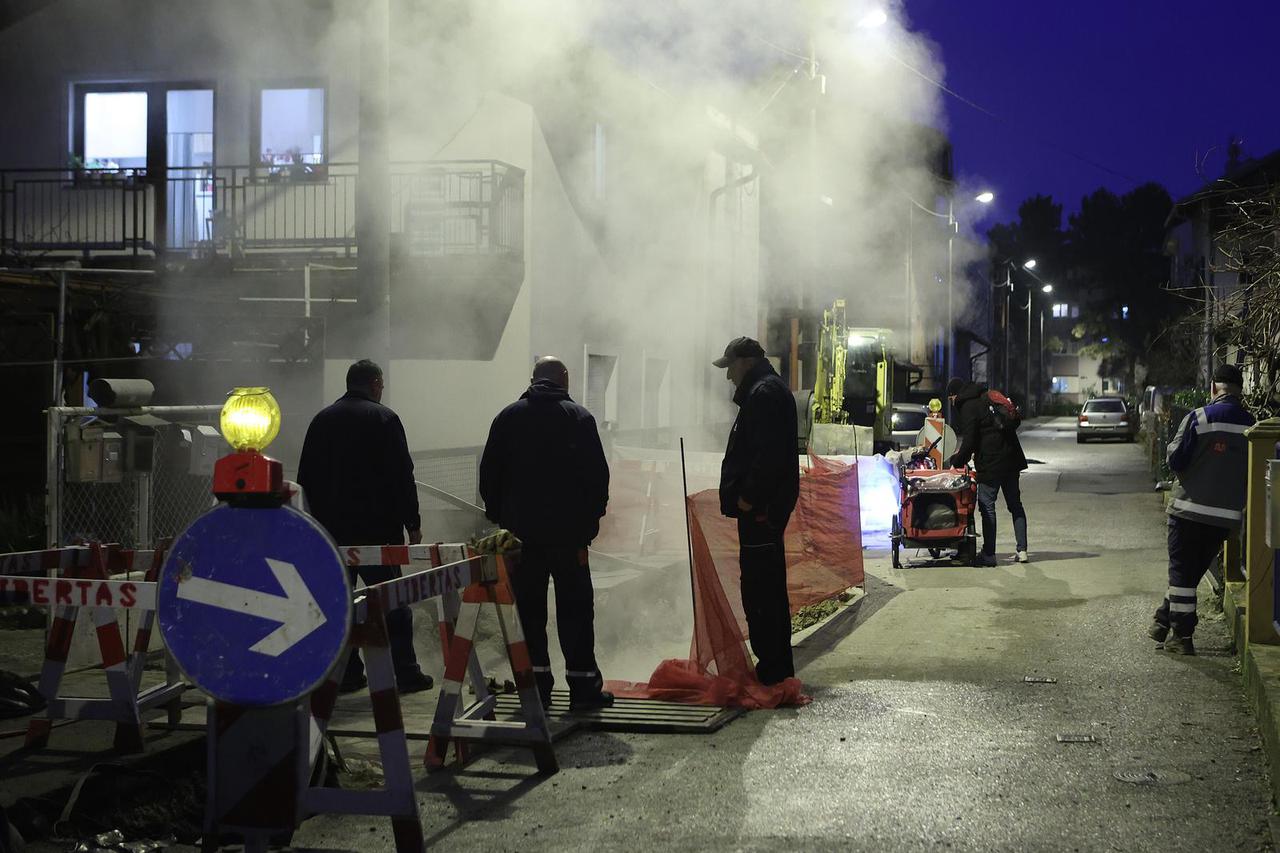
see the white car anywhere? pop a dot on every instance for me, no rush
(1106, 417)
(906, 419)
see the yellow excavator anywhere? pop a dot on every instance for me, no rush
(854, 380)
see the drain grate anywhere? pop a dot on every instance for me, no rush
(1152, 777)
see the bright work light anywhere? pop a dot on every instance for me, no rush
(250, 418)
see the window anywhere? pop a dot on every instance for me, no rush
(1059, 309)
(1059, 384)
(291, 129)
(115, 130)
(1124, 312)
(1108, 406)
(1075, 311)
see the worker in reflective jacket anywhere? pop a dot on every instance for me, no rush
(1209, 456)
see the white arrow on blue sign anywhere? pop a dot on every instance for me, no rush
(254, 604)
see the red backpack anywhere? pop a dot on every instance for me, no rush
(1005, 413)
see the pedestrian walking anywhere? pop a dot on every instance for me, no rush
(544, 477)
(999, 462)
(759, 486)
(357, 477)
(1209, 456)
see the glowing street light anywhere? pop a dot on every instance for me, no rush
(1048, 288)
(985, 197)
(873, 19)
(1029, 264)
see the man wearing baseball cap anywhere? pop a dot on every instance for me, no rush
(759, 486)
(1209, 456)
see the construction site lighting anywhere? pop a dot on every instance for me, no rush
(858, 340)
(250, 419)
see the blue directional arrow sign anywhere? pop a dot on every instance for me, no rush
(254, 604)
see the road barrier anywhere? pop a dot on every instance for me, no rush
(79, 577)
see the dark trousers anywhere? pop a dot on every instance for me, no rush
(399, 627)
(987, 493)
(1192, 547)
(567, 565)
(764, 598)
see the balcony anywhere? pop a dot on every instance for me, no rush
(438, 209)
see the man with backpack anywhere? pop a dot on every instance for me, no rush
(986, 422)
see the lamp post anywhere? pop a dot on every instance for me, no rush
(1029, 264)
(1046, 288)
(953, 227)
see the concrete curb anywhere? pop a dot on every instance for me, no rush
(1260, 678)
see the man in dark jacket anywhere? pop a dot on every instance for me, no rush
(997, 455)
(357, 477)
(1209, 455)
(759, 486)
(544, 477)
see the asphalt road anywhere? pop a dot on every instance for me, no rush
(923, 733)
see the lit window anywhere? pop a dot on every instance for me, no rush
(115, 130)
(1124, 312)
(1075, 310)
(1059, 384)
(1060, 309)
(291, 128)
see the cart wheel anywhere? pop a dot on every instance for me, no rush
(897, 563)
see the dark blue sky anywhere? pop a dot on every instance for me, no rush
(1138, 86)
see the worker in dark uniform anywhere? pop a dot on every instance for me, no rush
(357, 477)
(759, 486)
(1209, 455)
(544, 477)
(997, 455)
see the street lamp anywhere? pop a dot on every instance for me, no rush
(1028, 264)
(953, 227)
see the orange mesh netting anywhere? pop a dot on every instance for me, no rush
(824, 558)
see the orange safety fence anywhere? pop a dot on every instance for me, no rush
(824, 557)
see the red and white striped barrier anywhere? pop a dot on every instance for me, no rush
(62, 560)
(475, 722)
(87, 585)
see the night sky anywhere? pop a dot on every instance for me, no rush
(1136, 86)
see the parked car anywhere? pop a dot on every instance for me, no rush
(907, 419)
(1106, 417)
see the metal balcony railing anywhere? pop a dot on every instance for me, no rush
(436, 208)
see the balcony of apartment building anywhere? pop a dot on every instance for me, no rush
(300, 209)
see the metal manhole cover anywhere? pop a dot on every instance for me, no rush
(1152, 777)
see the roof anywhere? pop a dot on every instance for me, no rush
(1249, 176)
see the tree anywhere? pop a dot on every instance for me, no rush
(1118, 263)
(1245, 322)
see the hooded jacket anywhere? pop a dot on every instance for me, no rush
(996, 453)
(761, 463)
(356, 473)
(1209, 454)
(543, 475)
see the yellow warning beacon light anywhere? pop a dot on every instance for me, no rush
(250, 421)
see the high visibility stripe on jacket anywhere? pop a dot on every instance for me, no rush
(1209, 456)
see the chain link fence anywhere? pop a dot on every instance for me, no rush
(149, 476)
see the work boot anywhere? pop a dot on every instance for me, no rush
(1157, 631)
(1179, 645)
(603, 699)
(985, 560)
(413, 682)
